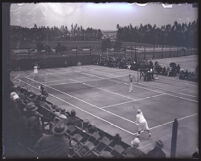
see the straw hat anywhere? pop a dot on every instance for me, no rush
(59, 128)
(135, 142)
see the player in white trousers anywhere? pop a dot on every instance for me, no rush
(142, 123)
(130, 83)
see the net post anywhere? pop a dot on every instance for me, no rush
(174, 138)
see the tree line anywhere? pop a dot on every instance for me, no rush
(178, 34)
(18, 33)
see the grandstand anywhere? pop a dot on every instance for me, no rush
(100, 94)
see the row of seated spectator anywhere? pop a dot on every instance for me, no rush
(51, 132)
(175, 70)
(124, 62)
(119, 61)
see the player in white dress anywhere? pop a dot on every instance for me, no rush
(35, 72)
(35, 69)
(142, 123)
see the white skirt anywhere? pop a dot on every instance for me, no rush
(143, 126)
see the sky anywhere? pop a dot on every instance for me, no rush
(104, 16)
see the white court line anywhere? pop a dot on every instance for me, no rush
(134, 134)
(86, 84)
(182, 118)
(55, 81)
(164, 90)
(122, 103)
(100, 118)
(123, 118)
(176, 80)
(187, 99)
(53, 73)
(139, 99)
(171, 91)
(127, 83)
(80, 81)
(104, 72)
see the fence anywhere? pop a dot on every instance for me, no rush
(27, 62)
(70, 58)
(153, 53)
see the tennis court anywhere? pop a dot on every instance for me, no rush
(100, 94)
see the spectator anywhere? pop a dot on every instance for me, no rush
(168, 71)
(43, 91)
(33, 124)
(157, 151)
(133, 151)
(19, 104)
(55, 145)
(178, 68)
(72, 120)
(196, 155)
(117, 139)
(15, 121)
(61, 114)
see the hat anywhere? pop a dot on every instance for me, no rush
(135, 142)
(31, 107)
(59, 128)
(62, 116)
(159, 143)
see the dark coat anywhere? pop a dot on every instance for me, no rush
(132, 152)
(156, 153)
(52, 146)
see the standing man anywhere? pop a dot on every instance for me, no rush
(142, 123)
(43, 91)
(130, 82)
(35, 71)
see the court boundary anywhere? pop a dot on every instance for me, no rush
(112, 124)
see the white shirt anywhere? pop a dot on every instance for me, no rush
(140, 118)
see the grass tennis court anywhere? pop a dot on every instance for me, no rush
(100, 94)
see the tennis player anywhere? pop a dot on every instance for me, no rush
(142, 123)
(36, 69)
(131, 78)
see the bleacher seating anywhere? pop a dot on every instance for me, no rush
(86, 140)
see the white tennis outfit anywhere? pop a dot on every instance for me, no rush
(142, 122)
(35, 69)
(131, 84)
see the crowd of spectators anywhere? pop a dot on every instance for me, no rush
(124, 62)
(47, 131)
